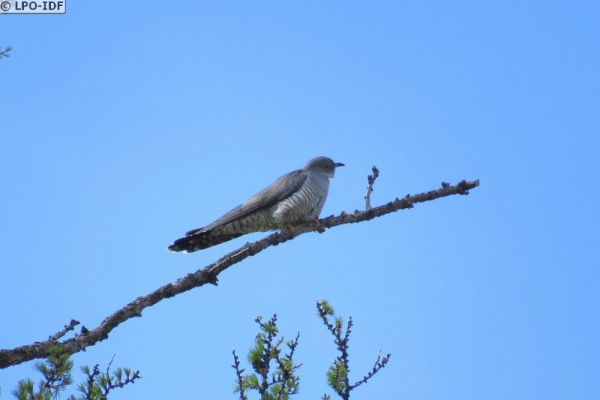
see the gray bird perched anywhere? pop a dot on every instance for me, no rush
(294, 198)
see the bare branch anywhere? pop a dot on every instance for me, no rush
(62, 333)
(371, 179)
(239, 372)
(209, 274)
(4, 53)
(379, 364)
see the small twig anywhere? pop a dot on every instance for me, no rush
(239, 372)
(292, 345)
(4, 53)
(371, 179)
(62, 333)
(380, 363)
(287, 373)
(109, 365)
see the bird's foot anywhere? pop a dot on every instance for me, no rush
(320, 228)
(292, 228)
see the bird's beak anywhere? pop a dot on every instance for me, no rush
(339, 164)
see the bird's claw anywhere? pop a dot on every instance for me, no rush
(292, 228)
(320, 228)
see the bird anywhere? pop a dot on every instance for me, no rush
(294, 198)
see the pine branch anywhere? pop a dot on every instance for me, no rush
(98, 385)
(338, 373)
(266, 350)
(208, 275)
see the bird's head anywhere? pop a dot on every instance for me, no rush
(322, 165)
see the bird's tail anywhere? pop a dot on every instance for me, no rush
(198, 240)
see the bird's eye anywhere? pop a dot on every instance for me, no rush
(326, 166)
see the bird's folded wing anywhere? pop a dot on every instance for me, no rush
(281, 189)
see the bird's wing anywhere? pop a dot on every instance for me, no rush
(280, 189)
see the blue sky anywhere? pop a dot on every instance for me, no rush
(126, 125)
